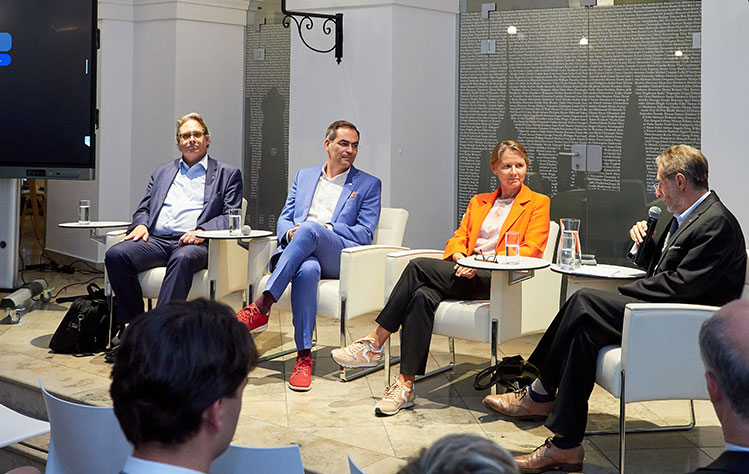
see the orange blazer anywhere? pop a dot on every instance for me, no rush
(528, 216)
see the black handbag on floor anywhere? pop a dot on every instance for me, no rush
(512, 373)
(85, 327)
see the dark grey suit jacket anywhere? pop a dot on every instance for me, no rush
(730, 462)
(223, 191)
(704, 262)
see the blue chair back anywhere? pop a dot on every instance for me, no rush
(241, 459)
(353, 467)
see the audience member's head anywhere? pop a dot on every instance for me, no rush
(179, 376)
(462, 454)
(724, 344)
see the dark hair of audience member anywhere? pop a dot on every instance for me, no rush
(462, 454)
(173, 363)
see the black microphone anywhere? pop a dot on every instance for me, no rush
(637, 253)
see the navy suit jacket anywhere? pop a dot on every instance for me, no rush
(730, 462)
(355, 215)
(223, 191)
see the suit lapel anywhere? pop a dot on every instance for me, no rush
(704, 206)
(165, 182)
(210, 181)
(348, 188)
(485, 205)
(517, 209)
(305, 192)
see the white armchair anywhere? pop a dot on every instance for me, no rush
(359, 288)
(474, 319)
(659, 359)
(225, 272)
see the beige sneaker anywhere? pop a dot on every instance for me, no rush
(358, 354)
(397, 396)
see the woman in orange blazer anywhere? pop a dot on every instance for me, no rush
(426, 281)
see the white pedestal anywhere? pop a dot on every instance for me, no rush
(10, 192)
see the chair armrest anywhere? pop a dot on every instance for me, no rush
(114, 236)
(660, 348)
(258, 256)
(396, 262)
(362, 277)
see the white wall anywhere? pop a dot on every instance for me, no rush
(158, 60)
(725, 101)
(397, 83)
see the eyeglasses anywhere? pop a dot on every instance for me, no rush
(346, 144)
(492, 258)
(186, 136)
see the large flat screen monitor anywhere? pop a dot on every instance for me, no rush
(48, 88)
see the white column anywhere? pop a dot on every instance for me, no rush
(398, 83)
(158, 60)
(725, 100)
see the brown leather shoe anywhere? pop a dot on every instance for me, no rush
(547, 457)
(518, 404)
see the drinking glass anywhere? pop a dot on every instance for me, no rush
(84, 208)
(235, 221)
(512, 247)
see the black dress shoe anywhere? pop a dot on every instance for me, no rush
(110, 355)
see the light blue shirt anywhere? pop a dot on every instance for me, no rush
(135, 465)
(680, 218)
(184, 200)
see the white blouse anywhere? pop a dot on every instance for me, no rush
(492, 225)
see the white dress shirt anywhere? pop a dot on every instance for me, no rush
(326, 196)
(184, 200)
(135, 465)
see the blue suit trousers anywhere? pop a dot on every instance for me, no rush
(126, 259)
(313, 253)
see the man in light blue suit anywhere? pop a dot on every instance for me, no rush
(329, 208)
(191, 193)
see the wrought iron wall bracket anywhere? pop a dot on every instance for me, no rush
(305, 20)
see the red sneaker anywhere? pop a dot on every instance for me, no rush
(301, 375)
(251, 317)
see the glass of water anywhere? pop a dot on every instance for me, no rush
(84, 209)
(512, 247)
(235, 221)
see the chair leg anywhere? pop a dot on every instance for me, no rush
(444, 368)
(288, 351)
(493, 342)
(622, 418)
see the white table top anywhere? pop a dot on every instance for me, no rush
(93, 224)
(526, 263)
(224, 234)
(602, 271)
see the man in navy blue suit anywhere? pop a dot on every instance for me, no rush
(191, 193)
(329, 208)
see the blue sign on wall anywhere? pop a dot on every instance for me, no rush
(6, 41)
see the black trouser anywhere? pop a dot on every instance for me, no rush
(567, 353)
(423, 285)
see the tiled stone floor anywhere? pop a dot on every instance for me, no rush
(335, 419)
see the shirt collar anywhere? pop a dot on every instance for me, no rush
(680, 218)
(203, 162)
(341, 178)
(736, 447)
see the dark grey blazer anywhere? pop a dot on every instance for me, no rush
(704, 262)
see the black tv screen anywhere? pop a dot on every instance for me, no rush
(48, 88)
